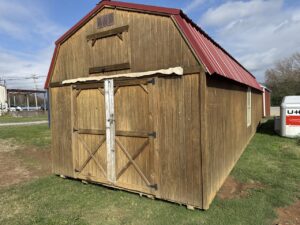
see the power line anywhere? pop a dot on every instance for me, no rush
(23, 78)
(20, 81)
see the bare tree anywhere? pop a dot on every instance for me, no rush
(284, 78)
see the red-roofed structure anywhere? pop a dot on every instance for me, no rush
(142, 99)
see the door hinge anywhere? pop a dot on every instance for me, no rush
(152, 81)
(152, 134)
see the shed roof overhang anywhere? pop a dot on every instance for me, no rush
(215, 59)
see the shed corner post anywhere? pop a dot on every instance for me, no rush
(203, 138)
(48, 106)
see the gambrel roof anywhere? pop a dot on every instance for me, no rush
(212, 56)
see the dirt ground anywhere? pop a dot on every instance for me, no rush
(19, 164)
(235, 189)
(289, 215)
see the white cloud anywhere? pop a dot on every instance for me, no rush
(23, 21)
(234, 10)
(26, 46)
(257, 32)
(193, 5)
(21, 65)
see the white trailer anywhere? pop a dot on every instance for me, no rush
(290, 116)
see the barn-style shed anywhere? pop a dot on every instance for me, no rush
(144, 100)
(266, 101)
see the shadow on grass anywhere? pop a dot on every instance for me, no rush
(267, 128)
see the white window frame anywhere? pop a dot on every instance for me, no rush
(249, 107)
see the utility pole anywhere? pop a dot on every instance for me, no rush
(35, 77)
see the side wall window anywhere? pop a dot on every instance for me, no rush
(249, 108)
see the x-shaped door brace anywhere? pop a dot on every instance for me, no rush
(134, 156)
(91, 155)
(131, 160)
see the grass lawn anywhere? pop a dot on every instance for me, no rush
(271, 160)
(37, 135)
(11, 119)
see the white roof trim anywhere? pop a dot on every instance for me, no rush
(171, 71)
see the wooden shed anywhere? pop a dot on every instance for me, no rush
(142, 99)
(266, 101)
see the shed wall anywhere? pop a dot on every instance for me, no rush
(61, 130)
(268, 103)
(151, 43)
(176, 148)
(177, 122)
(227, 133)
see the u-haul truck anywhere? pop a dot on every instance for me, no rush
(290, 116)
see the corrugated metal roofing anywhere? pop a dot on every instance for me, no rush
(216, 60)
(214, 57)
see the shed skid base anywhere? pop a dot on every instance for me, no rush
(190, 207)
(146, 195)
(84, 182)
(141, 194)
(150, 197)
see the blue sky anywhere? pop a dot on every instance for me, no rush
(256, 32)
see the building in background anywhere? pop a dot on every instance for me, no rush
(266, 101)
(3, 99)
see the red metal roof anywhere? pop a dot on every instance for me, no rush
(216, 60)
(213, 56)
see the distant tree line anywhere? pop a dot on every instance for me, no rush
(284, 78)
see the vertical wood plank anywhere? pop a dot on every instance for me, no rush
(110, 129)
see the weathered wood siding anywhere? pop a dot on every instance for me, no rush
(177, 147)
(152, 42)
(61, 129)
(173, 158)
(200, 121)
(267, 103)
(226, 129)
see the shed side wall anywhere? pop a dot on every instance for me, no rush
(61, 126)
(227, 133)
(177, 144)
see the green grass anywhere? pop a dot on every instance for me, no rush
(12, 119)
(37, 135)
(269, 159)
(298, 141)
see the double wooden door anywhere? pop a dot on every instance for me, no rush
(113, 134)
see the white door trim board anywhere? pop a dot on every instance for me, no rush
(110, 129)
